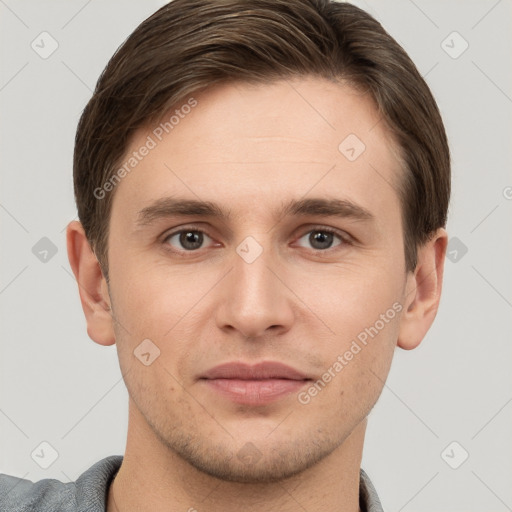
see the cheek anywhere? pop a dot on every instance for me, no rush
(356, 368)
(351, 298)
(161, 304)
(151, 297)
(360, 311)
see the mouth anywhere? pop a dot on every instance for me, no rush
(254, 384)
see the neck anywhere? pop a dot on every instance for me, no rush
(153, 478)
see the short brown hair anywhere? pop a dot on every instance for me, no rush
(189, 45)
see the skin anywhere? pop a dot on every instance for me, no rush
(295, 303)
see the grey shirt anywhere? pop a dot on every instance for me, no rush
(89, 493)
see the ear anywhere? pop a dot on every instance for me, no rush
(92, 285)
(423, 291)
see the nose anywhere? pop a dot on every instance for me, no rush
(255, 299)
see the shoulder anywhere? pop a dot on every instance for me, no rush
(21, 495)
(86, 494)
(368, 497)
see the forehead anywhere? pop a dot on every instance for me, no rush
(265, 143)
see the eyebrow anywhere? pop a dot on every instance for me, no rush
(170, 207)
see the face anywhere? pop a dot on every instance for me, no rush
(299, 259)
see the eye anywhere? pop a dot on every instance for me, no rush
(322, 239)
(192, 239)
(188, 239)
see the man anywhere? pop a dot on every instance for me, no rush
(262, 190)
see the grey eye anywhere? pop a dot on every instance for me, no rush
(320, 239)
(188, 239)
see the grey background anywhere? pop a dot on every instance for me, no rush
(58, 386)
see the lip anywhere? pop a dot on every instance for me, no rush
(244, 371)
(257, 384)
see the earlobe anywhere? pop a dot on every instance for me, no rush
(423, 291)
(91, 285)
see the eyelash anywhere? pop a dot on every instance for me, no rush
(344, 239)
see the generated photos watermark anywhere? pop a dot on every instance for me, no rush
(151, 142)
(357, 344)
